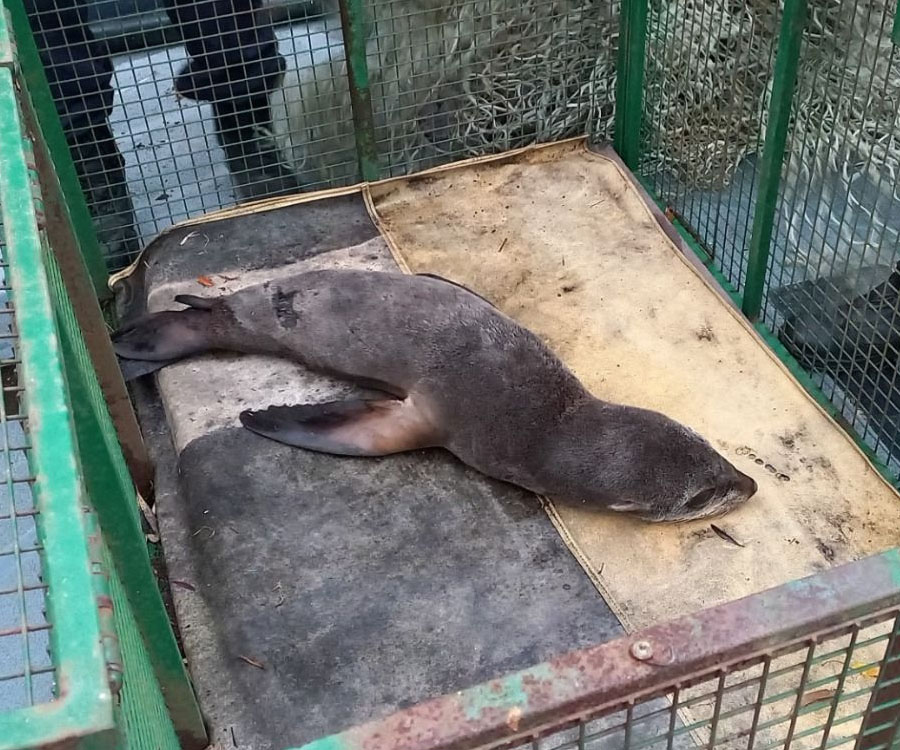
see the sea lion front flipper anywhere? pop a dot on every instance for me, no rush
(345, 428)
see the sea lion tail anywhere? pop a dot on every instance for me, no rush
(356, 427)
(154, 341)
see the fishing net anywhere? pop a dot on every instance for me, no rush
(714, 58)
(457, 78)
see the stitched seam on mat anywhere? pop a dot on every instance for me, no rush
(592, 573)
(385, 232)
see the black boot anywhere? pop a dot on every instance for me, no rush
(244, 131)
(101, 173)
(235, 65)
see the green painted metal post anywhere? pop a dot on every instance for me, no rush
(630, 82)
(783, 83)
(84, 708)
(32, 71)
(112, 496)
(63, 242)
(354, 26)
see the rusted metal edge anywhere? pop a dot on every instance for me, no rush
(586, 682)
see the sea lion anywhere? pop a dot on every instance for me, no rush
(455, 373)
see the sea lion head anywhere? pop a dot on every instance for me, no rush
(643, 463)
(661, 470)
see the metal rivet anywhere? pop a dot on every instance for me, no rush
(641, 650)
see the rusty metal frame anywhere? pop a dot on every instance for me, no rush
(585, 684)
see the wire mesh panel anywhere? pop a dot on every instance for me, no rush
(708, 71)
(812, 664)
(829, 277)
(244, 109)
(471, 77)
(834, 280)
(26, 670)
(159, 134)
(48, 587)
(811, 695)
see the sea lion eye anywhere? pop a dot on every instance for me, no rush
(701, 499)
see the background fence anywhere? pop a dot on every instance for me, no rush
(768, 131)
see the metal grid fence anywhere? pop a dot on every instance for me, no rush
(833, 275)
(708, 64)
(84, 647)
(806, 665)
(770, 135)
(244, 109)
(38, 551)
(26, 670)
(237, 107)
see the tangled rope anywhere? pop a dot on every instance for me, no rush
(707, 98)
(457, 78)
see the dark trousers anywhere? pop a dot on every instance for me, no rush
(232, 57)
(234, 64)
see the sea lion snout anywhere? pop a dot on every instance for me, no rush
(732, 488)
(746, 485)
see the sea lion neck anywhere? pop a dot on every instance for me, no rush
(583, 455)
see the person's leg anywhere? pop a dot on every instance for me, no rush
(235, 65)
(80, 78)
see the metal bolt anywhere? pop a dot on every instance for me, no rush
(641, 650)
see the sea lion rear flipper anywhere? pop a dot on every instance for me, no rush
(198, 303)
(345, 428)
(164, 336)
(132, 369)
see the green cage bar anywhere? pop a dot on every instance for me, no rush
(783, 84)
(630, 82)
(353, 23)
(84, 706)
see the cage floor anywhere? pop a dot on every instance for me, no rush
(315, 592)
(561, 239)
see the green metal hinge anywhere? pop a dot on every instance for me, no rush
(109, 639)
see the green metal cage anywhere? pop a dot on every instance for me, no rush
(767, 132)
